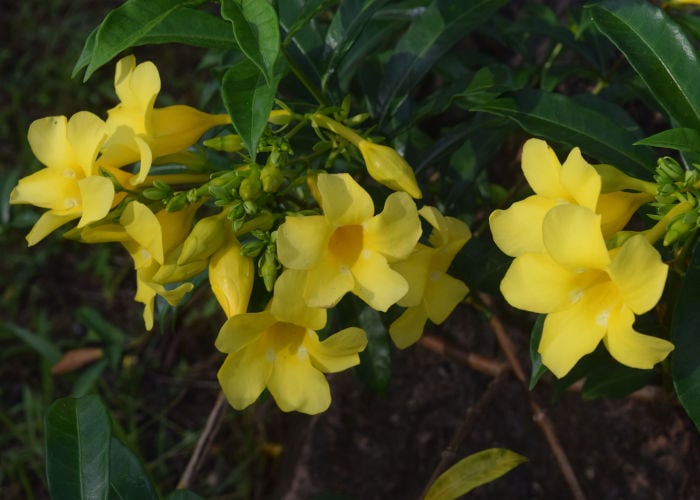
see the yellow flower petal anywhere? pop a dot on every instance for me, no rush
(415, 271)
(287, 307)
(326, 283)
(632, 348)
(376, 283)
(343, 200)
(639, 274)
(395, 231)
(535, 282)
(240, 330)
(570, 334)
(296, 385)
(302, 241)
(442, 295)
(518, 229)
(573, 238)
(86, 134)
(48, 188)
(144, 228)
(137, 86)
(244, 374)
(338, 352)
(542, 169)
(47, 223)
(408, 328)
(97, 194)
(581, 180)
(48, 140)
(146, 159)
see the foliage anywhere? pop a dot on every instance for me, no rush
(419, 101)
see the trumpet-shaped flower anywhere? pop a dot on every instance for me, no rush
(348, 248)
(138, 131)
(69, 186)
(279, 349)
(231, 277)
(432, 293)
(588, 293)
(518, 229)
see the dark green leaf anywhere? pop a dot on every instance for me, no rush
(78, 448)
(681, 139)
(44, 347)
(113, 338)
(256, 29)
(123, 27)
(659, 52)
(191, 27)
(375, 360)
(537, 369)
(685, 361)
(248, 98)
(128, 478)
(442, 24)
(595, 128)
(614, 380)
(475, 470)
(85, 383)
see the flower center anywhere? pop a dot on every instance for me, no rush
(345, 245)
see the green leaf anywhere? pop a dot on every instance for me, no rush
(591, 124)
(614, 380)
(78, 448)
(122, 28)
(685, 361)
(184, 25)
(85, 383)
(659, 52)
(256, 29)
(128, 478)
(537, 369)
(248, 98)
(681, 139)
(44, 347)
(429, 36)
(375, 360)
(113, 337)
(473, 471)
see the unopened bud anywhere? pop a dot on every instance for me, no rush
(271, 177)
(230, 143)
(177, 202)
(251, 187)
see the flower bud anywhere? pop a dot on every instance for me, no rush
(271, 177)
(231, 277)
(230, 143)
(206, 237)
(268, 267)
(177, 202)
(251, 187)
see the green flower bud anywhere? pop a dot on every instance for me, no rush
(207, 235)
(252, 248)
(670, 169)
(230, 143)
(153, 193)
(271, 177)
(251, 187)
(177, 202)
(268, 267)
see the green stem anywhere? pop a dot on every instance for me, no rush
(332, 125)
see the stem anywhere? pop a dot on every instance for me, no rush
(310, 87)
(332, 125)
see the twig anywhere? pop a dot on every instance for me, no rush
(539, 417)
(449, 454)
(205, 439)
(477, 362)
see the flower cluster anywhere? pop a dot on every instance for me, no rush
(567, 264)
(315, 235)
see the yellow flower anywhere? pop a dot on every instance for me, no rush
(279, 349)
(432, 293)
(588, 293)
(69, 186)
(387, 167)
(348, 249)
(138, 131)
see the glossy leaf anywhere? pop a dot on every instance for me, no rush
(128, 478)
(659, 52)
(432, 34)
(473, 471)
(685, 362)
(183, 495)
(122, 28)
(256, 29)
(248, 98)
(595, 128)
(613, 380)
(375, 360)
(78, 449)
(681, 139)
